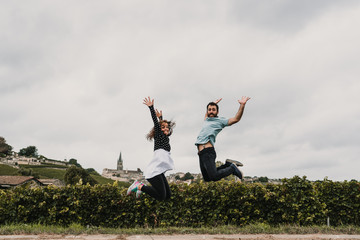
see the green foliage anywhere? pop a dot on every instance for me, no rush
(74, 162)
(295, 201)
(187, 176)
(263, 179)
(342, 201)
(75, 175)
(30, 151)
(5, 149)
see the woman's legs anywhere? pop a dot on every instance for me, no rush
(159, 188)
(167, 187)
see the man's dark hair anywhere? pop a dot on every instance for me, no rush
(213, 104)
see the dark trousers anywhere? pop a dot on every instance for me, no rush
(208, 167)
(159, 188)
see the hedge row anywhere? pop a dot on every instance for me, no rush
(295, 201)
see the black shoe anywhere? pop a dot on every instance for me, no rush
(237, 163)
(237, 172)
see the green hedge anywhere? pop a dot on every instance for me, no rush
(294, 201)
(342, 201)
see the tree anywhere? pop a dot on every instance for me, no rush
(30, 151)
(5, 149)
(263, 179)
(74, 174)
(74, 162)
(187, 176)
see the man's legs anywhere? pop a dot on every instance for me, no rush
(208, 167)
(225, 165)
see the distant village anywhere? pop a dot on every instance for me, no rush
(122, 175)
(15, 160)
(118, 174)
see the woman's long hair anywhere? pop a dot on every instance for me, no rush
(150, 136)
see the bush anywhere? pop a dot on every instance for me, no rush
(342, 201)
(295, 201)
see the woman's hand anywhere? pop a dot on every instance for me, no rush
(159, 114)
(148, 102)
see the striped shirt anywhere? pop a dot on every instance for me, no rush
(161, 141)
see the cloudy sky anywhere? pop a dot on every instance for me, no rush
(73, 75)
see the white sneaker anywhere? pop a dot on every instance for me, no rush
(237, 163)
(133, 187)
(138, 193)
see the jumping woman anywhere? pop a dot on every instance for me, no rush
(161, 161)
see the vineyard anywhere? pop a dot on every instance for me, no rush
(294, 201)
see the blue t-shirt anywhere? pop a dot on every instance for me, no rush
(211, 127)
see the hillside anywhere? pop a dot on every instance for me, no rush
(47, 171)
(7, 170)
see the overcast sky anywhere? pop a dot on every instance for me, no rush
(73, 75)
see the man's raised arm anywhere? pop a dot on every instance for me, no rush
(240, 112)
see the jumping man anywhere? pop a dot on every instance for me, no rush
(205, 142)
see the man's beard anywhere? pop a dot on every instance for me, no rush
(212, 115)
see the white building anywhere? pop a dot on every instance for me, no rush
(122, 175)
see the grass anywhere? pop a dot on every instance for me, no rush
(50, 173)
(44, 165)
(101, 179)
(260, 228)
(8, 170)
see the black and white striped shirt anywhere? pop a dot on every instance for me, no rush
(161, 141)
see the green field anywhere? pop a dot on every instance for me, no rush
(50, 173)
(8, 170)
(46, 165)
(102, 180)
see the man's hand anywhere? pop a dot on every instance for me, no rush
(159, 114)
(243, 100)
(148, 102)
(217, 101)
(239, 113)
